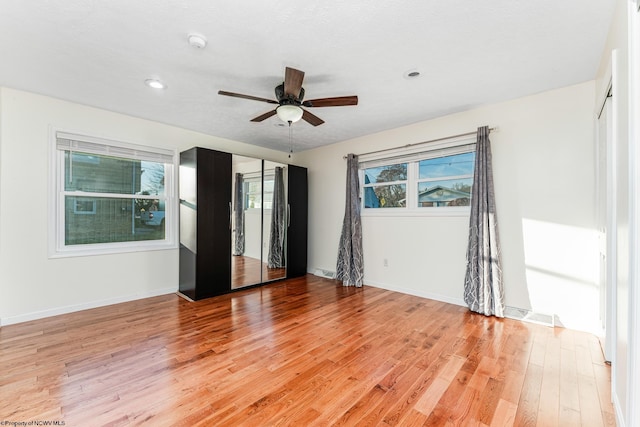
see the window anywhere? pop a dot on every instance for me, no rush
(385, 186)
(110, 197)
(446, 181)
(419, 181)
(254, 197)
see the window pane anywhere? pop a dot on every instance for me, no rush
(91, 220)
(254, 186)
(152, 179)
(451, 192)
(387, 173)
(268, 185)
(253, 201)
(103, 174)
(385, 196)
(252, 194)
(456, 165)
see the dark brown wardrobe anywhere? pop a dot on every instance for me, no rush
(228, 204)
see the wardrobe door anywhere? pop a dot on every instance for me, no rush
(297, 220)
(188, 194)
(205, 234)
(214, 195)
(247, 224)
(274, 222)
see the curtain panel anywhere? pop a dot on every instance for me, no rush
(350, 266)
(275, 258)
(238, 215)
(483, 287)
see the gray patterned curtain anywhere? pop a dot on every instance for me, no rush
(350, 266)
(278, 223)
(483, 288)
(238, 215)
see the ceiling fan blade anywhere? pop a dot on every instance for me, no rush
(264, 116)
(311, 118)
(336, 101)
(253, 98)
(293, 82)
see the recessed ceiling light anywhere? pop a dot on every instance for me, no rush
(155, 83)
(197, 40)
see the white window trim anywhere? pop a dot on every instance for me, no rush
(411, 156)
(55, 208)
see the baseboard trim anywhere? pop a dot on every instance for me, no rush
(11, 320)
(181, 295)
(422, 294)
(525, 315)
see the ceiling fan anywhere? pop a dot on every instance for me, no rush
(290, 100)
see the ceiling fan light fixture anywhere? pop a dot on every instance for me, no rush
(289, 113)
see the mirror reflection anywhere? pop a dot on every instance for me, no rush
(274, 222)
(258, 221)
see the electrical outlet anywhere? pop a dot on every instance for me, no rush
(385, 262)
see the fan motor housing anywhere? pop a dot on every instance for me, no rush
(286, 100)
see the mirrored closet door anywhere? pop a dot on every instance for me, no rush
(258, 221)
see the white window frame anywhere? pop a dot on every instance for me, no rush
(412, 156)
(103, 146)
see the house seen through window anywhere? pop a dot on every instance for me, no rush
(446, 181)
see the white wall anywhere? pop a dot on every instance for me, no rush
(543, 158)
(31, 284)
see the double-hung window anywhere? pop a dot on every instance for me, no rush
(437, 179)
(110, 197)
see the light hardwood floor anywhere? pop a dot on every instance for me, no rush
(300, 352)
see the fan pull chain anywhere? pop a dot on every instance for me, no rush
(290, 140)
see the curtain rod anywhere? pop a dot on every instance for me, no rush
(424, 142)
(260, 172)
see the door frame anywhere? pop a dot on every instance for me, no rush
(606, 220)
(633, 391)
(606, 105)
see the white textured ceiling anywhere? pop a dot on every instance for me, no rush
(469, 53)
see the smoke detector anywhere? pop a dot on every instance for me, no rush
(197, 40)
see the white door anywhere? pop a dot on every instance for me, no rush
(606, 191)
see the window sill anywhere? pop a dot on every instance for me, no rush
(106, 249)
(422, 212)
